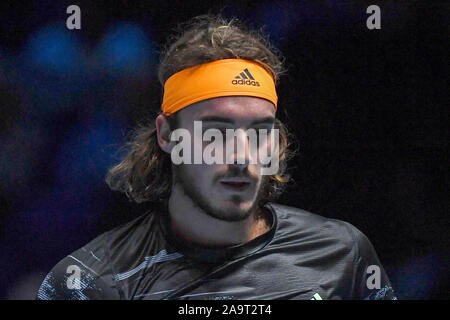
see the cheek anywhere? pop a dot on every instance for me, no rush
(201, 175)
(267, 146)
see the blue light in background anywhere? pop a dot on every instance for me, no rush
(127, 49)
(418, 278)
(87, 152)
(51, 71)
(54, 48)
(283, 19)
(280, 19)
(77, 193)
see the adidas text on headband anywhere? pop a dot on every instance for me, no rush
(227, 77)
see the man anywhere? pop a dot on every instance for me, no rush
(214, 231)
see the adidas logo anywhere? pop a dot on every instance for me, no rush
(316, 297)
(245, 77)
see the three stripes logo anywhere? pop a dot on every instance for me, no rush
(245, 78)
(316, 296)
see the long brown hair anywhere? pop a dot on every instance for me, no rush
(145, 172)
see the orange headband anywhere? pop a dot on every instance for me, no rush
(228, 77)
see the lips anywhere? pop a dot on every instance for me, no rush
(235, 185)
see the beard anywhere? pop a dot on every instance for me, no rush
(213, 209)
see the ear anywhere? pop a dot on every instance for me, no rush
(163, 132)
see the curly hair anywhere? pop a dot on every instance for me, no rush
(145, 173)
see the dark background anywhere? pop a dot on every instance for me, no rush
(368, 108)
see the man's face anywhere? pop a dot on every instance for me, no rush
(228, 192)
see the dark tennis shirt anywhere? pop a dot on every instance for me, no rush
(302, 256)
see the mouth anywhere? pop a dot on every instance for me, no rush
(235, 185)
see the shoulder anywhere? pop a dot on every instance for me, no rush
(307, 225)
(88, 273)
(82, 275)
(337, 245)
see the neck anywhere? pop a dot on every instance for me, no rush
(194, 226)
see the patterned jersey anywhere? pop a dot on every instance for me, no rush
(302, 256)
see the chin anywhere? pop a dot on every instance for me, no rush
(238, 207)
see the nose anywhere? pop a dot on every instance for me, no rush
(238, 150)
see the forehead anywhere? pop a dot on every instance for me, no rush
(235, 108)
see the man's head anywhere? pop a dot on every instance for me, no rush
(227, 191)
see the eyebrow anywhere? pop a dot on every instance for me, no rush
(268, 119)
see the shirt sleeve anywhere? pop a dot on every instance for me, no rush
(83, 275)
(370, 279)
